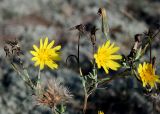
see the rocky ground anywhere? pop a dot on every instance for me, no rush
(30, 20)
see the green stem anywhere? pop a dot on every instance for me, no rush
(38, 82)
(28, 81)
(54, 111)
(150, 49)
(86, 94)
(39, 77)
(124, 74)
(62, 109)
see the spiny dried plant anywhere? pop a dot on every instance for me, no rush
(53, 94)
(12, 47)
(14, 56)
(13, 51)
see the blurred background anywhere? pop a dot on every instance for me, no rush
(30, 20)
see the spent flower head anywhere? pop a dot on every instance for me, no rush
(46, 54)
(54, 94)
(105, 57)
(147, 75)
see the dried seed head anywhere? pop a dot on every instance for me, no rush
(79, 27)
(93, 35)
(138, 37)
(54, 94)
(11, 43)
(137, 41)
(99, 11)
(6, 49)
(16, 50)
(12, 47)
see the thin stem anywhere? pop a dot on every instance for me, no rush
(30, 84)
(39, 76)
(38, 81)
(18, 72)
(85, 100)
(102, 88)
(150, 49)
(94, 65)
(85, 95)
(62, 109)
(95, 77)
(93, 55)
(78, 46)
(54, 111)
(106, 80)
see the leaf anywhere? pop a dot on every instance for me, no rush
(144, 50)
(138, 54)
(103, 80)
(26, 73)
(141, 52)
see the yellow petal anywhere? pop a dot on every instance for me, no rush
(100, 112)
(107, 44)
(36, 63)
(144, 64)
(114, 50)
(35, 48)
(144, 84)
(152, 84)
(50, 45)
(139, 68)
(115, 57)
(57, 48)
(57, 57)
(113, 65)
(51, 65)
(112, 45)
(34, 59)
(45, 43)
(95, 56)
(157, 78)
(42, 65)
(106, 70)
(33, 53)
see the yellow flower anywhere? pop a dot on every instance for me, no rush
(100, 112)
(147, 75)
(105, 58)
(46, 54)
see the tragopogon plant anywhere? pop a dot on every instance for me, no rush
(106, 56)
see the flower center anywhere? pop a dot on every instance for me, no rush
(44, 55)
(149, 75)
(103, 57)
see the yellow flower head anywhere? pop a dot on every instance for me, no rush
(105, 58)
(147, 75)
(46, 54)
(100, 112)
